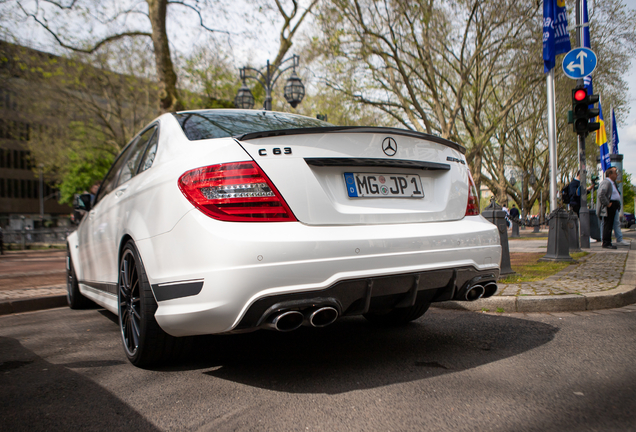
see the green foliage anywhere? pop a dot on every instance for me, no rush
(83, 170)
(209, 80)
(81, 158)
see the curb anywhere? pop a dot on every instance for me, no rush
(32, 304)
(624, 294)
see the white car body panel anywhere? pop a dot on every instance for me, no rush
(335, 239)
(243, 262)
(317, 195)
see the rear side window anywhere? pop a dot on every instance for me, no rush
(149, 155)
(110, 181)
(129, 169)
(200, 125)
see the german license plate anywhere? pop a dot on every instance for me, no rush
(369, 185)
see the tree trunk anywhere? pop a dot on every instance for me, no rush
(168, 97)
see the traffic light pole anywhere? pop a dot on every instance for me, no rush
(584, 213)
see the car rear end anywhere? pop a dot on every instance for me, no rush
(317, 223)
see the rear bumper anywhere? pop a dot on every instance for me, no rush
(359, 296)
(247, 268)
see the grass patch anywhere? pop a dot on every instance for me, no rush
(500, 310)
(528, 268)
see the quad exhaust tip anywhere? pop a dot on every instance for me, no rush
(321, 317)
(475, 292)
(490, 289)
(286, 321)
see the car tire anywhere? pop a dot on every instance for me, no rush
(398, 316)
(74, 297)
(145, 343)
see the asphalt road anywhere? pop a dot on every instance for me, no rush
(451, 370)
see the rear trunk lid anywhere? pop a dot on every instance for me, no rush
(349, 176)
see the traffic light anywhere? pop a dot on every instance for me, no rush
(581, 111)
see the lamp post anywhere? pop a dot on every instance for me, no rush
(41, 166)
(294, 88)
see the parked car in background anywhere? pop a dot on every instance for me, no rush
(629, 220)
(226, 221)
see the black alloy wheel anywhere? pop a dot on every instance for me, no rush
(145, 343)
(129, 303)
(74, 297)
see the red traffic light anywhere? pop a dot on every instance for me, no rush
(579, 95)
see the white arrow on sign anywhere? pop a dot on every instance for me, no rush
(581, 56)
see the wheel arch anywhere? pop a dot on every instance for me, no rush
(72, 248)
(125, 239)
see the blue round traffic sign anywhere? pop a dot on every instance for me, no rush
(579, 63)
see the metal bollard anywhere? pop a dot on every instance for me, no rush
(595, 226)
(515, 229)
(573, 233)
(494, 214)
(535, 224)
(558, 237)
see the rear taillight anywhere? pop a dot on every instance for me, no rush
(238, 191)
(472, 208)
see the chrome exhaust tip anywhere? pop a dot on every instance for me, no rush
(286, 321)
(490, 289)
(322, 317)
(475, 292)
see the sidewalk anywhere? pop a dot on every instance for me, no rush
(603, 279)
(34, 280)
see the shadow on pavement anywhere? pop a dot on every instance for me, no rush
(37, 395)
(352, 354)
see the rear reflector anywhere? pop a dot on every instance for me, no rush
(239, 192)
(472, 207)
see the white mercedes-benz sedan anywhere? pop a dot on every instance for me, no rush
(221, 221)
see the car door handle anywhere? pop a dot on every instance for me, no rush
(91, 214)
(121, 191)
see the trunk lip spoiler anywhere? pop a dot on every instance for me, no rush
(377, 163)
(352, 129)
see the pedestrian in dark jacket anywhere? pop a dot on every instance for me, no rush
(574, 190)
(514, 213)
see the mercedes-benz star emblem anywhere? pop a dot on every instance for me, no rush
(389, 146)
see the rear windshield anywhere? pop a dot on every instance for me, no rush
(218, 124)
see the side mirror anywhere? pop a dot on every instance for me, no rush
(82, 203)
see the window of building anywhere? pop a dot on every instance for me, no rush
(2, 192)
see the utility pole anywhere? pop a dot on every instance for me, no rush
(584, 213)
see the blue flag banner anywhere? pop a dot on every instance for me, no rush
(614, 134)
(601, 140)
(556, 39)
(587, 81)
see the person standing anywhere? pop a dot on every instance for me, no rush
(618, 233)
(574, 191)
(507, 215)
(607, 204)
(514, 213)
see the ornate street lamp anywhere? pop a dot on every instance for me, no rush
(294, 88)
(244, 98)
